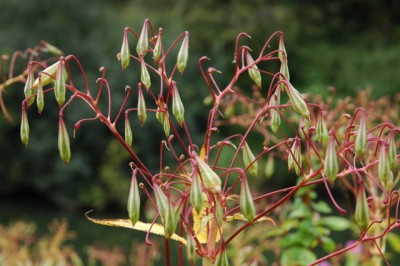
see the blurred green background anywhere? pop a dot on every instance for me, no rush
(348, 44)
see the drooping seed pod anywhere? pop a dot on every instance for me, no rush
(299, 105)
(322, 130)
(161, 201)
(143, 42)
(51, 49)
(196, 193)
(361, 214)
(269, 166)
(29, 91)
(24, 128)
(285, 69)
(183, 54)
(331, 168)
(392, 152)
(385, 175)
(157, 48)
(63, 142)
(144, 75)
(160, 115)
(40, 98)
(249, 159)
(166, 126)
(246, 201)
(170, 222)
(219, 210)
(59, 85)
(211, 180)
(360, 144)
(253, 71)
(282, 49)
(141, 106)
(294, 159)
(275, 117)
(177, 106)
(125, 54)
(128, 131)
(134, 200)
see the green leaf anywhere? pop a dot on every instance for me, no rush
(321, 206)
(297, 256)
(335, 223)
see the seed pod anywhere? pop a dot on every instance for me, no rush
(59, 86)
(294, 159)
(125, 54)
(177, 106)
(141, 107)
(254, 73)
(51, 49)
(157, 48)
(143, 42)
(218, 211)
(299, 105)
(160, 115)
(249, 159)
(392, 152)
(361, 214)
(161, 201)
(63, 142)
(269, 167)
(246, 201)
(166, 126)
(134, 200)
(275, 120)
(29, 91)
(285, 69)
(24, 129)
(40, 98)
(282, 50)
(49, 74)
(322, 130)
(211, 180)
(331, 168)
(128, 131)
(360, 144)
(196, 194)
(144, 75)
(385, 175)
(170, 221)
(183, 54)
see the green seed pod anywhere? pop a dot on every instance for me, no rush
(183, 54)
(254, 73)
(322, 130)
(211, 180)
(331, 168)
(52, 49)
(275, 120)
(282, 50)
(361, 214)
(196, 193)
(59, 85)
(29, 91)
(385, 175)
(170, 221)
(167, 127)
(294, 158)
(24, 129)
(128, 131)
(392, 152)
(299, 105)
(125, 54)
(40, 98)
(144, 75)
(249, 159)
(161, 201)
(49, 74)
(218, 211)
(63, 142)
(246, 201)
(360, 144)
(222, 259)
(141, 107)
(134, 200)
(160, 115)
(269, 167)
(143, 43)
(157, 48)
(177, 106)
(285, 69)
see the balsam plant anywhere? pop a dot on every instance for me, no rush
(201, 201)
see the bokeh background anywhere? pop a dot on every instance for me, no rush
(346, 44)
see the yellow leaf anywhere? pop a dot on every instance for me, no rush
(140, 226)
